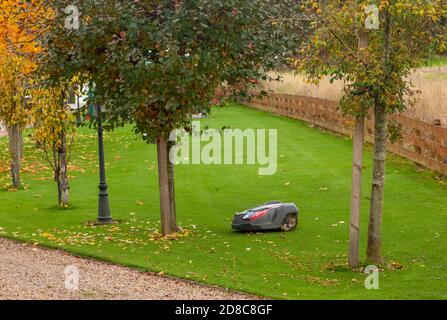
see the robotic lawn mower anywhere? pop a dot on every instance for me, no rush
(273, 215)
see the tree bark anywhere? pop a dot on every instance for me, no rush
(357, 169)
(172, 206)
(374, 246)
(22, 146)
(63, 173)
(163, 180)
(15, 150)
(56, 172)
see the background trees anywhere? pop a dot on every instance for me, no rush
(20, 22)
(53, 133)
(23, 99)
(13, 114)
(375, 76)
(156, 63)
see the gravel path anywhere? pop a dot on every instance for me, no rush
(28, 272)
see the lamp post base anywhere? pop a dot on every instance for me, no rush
(104, 221)
(104, 216)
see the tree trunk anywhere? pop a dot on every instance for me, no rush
(374, 247)
(22, 144)
(63, 176)
(172, 206)
(357, 169)
(373, 250)
(57, 172)
(163, 180)
(15, 148)
(78, 112)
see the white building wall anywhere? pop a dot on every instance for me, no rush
(2, 130)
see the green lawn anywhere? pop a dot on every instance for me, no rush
(436, 61)
(314, 171)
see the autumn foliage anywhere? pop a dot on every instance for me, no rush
(53, 134)
(21, 23)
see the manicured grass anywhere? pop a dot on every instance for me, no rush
(436, 61)
(314, 171)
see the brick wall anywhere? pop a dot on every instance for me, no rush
(421, 142)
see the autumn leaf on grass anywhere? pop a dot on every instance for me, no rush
(28, 170)
(330, 267)
(322, 282)
(42, 179)
(114, 229)
(47, 235)
(395, 266)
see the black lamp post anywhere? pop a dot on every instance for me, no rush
(104, 216)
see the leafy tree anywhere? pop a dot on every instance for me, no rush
(53, 133)
(376, 75)
(18, 26)
(12, 112)
(156, 63)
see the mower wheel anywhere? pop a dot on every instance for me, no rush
(289, 223)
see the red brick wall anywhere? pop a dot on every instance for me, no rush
(421, 142)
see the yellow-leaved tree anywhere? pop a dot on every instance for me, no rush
(20, 22)
(13, 113)
(54, 129)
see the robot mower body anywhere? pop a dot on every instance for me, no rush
(273, 215)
